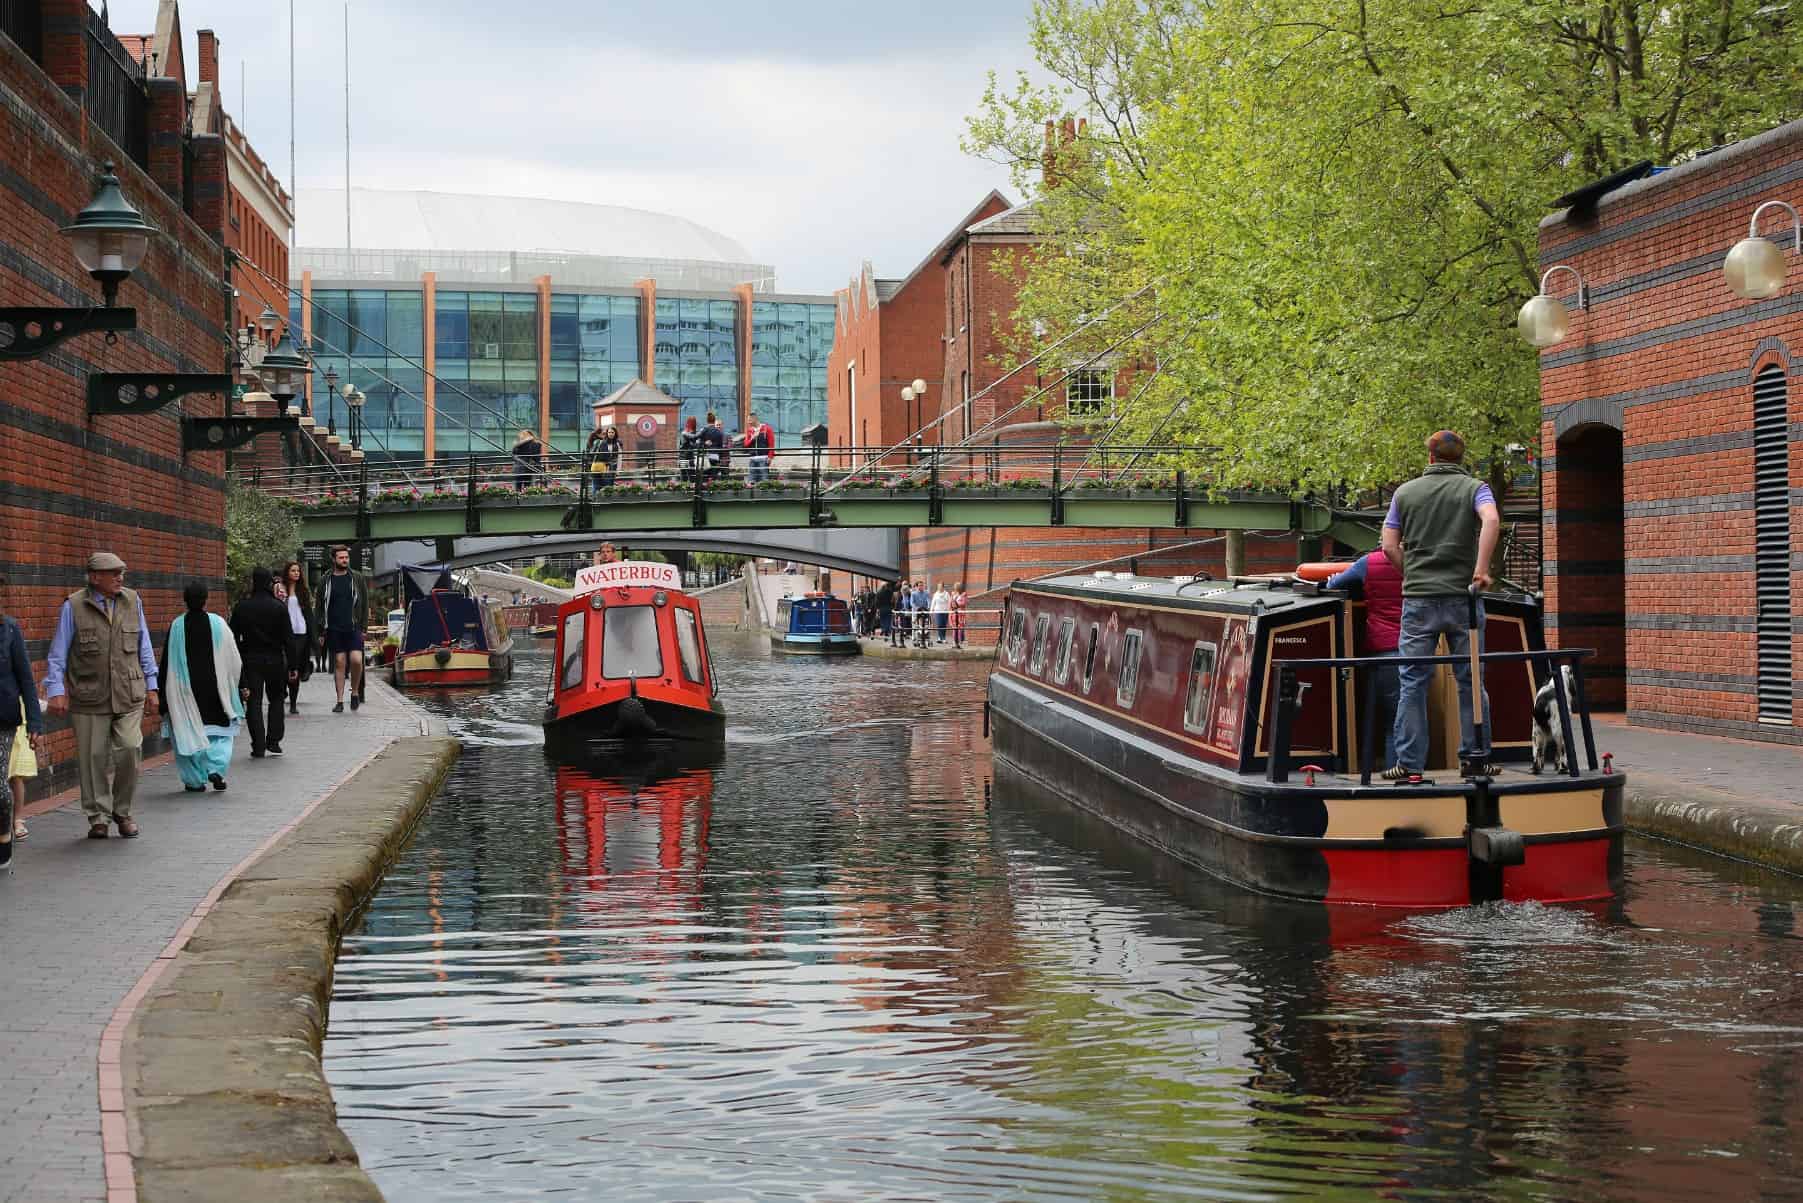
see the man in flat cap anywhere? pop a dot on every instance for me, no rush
(103, 675)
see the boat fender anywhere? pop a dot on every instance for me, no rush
(443, 656)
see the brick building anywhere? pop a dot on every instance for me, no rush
(73, 98)
(1669, 421)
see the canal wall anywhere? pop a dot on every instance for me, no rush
(224, 1095)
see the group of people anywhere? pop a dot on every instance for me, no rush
(1439, 538)
(213, 676)
(907, 611)
(703, 450)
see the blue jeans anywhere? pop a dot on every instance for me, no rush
(1384, 718)
(1424, 620)
(757, 469)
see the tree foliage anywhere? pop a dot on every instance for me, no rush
(258, 530)
(1335, 202)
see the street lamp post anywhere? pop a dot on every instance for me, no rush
(283, 370)
(109, 239)
(1755, 267)
(353, 400)
(331, 402)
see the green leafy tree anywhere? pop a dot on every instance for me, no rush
(258, 530)
(1335, 202)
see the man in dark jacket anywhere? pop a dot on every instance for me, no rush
(266, 645)
(885, 607)
(713, 447)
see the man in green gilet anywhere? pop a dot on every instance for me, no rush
(102, 673)
(1441, 531)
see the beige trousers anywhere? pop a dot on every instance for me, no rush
(107, 748)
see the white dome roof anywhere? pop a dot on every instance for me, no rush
(455, 221)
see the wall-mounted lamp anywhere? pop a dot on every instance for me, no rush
(1755, 267)
(1544, 320)
(109, 239)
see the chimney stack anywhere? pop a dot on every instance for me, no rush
(209, 57)
(1060, 140)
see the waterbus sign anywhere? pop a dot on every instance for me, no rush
(628, 573)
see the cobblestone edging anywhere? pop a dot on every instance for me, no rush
(224, 1095)
(1715, 821)
(933, 651)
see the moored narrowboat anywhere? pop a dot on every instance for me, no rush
(1224, 723)
(814, 624)
(543, 624)
(631, 667)
(449, 637)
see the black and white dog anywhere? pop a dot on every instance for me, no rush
(1549, 738)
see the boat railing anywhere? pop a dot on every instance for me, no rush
(1362, 670)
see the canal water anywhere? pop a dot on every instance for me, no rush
(839, 965)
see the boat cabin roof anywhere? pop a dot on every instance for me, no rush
(1241, 595)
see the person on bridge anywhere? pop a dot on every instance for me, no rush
(266, 645)
(604, 455)
(342, 614)
(102, 673)
(760, 440)
(1381, 584)
(1441, 531)
(688, 450)
(713, 447)
(201, 674)
(528, 457)
(300, 627)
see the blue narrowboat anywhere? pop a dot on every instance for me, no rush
(815, 624)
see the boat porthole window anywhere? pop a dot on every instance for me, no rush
(688, 645)
(1017, 635)
(1200, 699)
(1127, 686)
(1042, 627)
(1089, 657)
(571, 675)
(1061, 669)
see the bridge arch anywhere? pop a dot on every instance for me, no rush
(874, 552)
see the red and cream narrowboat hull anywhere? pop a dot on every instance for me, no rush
(1152, 706)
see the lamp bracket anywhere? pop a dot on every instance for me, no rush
(31, 330)
(147, 392)
(1583, 288)
(222, 434)
(1796, 227)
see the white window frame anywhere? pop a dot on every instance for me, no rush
(1042, 635)
(1126, 678)
(1199, 703)
(1090, 408)
(1061, 664)
(1089, 655)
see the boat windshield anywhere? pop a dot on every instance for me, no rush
(629, 643)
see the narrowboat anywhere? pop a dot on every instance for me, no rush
(631, 669)
(814, 624)
(544, 620)
(449, 637)
(1226, 724)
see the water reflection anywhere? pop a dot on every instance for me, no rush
(834, 966)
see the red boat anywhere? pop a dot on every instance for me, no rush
(1222, 722)
(632, 669)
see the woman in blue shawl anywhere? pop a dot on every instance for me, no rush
(200, 692)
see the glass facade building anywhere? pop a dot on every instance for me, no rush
(501, 357)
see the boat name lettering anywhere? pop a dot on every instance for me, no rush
(643, 573)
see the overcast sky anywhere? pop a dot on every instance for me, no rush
(817, 133)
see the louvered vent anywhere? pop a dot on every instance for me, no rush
(1771, 511)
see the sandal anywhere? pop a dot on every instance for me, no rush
(19, 831)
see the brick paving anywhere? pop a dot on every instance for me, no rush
(1764, 776)
(83, 919)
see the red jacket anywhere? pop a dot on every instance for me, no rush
(1383, 603)
(761, 439)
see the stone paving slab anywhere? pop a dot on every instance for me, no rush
(1738, 797)
(83, 920)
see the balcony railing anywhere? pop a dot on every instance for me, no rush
(21, 21)
(118, 101)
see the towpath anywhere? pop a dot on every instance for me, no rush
(83, 919)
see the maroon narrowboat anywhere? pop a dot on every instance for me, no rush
(631, 670)
(1220, 721)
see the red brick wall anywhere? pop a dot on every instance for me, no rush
(70, 484)
(1666, 355)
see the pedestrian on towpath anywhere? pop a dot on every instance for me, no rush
(264, 635)
(941, 605)
(1441, 531)
(342, 614)
(1381, 584)
(885, 609)
(960, 608)
(300, 627)
(18, 695)
(102, 673)
(921, 603)
(201, 673)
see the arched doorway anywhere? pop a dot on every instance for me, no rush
(1588, 534)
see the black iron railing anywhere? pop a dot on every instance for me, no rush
(1364, 674)
(118, 101)
(22, 21)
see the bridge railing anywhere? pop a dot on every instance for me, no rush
(829, 472)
